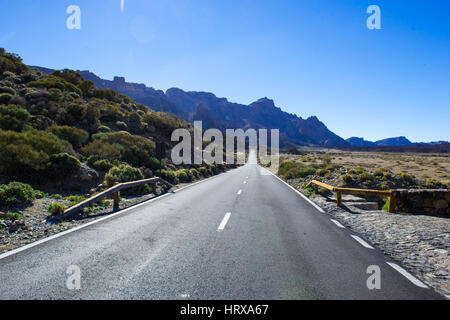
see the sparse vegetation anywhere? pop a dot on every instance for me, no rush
(55, 208)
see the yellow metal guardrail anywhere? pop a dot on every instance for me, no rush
(366, 192)
(115, 191)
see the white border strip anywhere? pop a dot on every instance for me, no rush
(362, 242)
(337, 223)
(407, 275)
(301, 194)
(60, 234)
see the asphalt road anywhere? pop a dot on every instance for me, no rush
(240, 235)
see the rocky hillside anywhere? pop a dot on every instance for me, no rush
(220, 113)
(59, 132)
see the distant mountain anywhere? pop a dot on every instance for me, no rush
(220, 113)
(359, 142)
(397, 141)
(389, 142)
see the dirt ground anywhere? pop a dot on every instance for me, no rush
(421, 165)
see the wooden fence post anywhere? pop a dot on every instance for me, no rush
(116, 199)
(392, 203)
(339, 198)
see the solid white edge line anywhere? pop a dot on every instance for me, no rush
(337, 223)
(361, 241)
(224, 221)
(301, 194)
(407, 275)
(63, 233)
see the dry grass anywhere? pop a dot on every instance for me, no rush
(422, 166)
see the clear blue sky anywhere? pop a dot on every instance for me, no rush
(311, 57)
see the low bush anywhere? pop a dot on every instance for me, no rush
(63, 165)
(126, 173)
(203, 171)
(407, 177)
(294, 170)
(56, 208)
(365, 176)
(347, 178)
(16, 193)
(77, 137)
(5, 98)
(26, 153)
(14, 117)
(13, 216)
(102, 165)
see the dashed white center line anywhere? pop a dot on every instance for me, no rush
(239, 192)
(407, 275)
(224, 221)
(245, 182)
(337, 223)
(361, 241)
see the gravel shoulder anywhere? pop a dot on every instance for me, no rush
(421, 244)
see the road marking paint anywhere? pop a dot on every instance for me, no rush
(239, 192)
(245, 182)
(337, 223)
(361, 241)
(246, 177)
(407, 275)
(224, 221)
(301, 194)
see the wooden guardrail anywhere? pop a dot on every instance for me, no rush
(115, 191)
(366, 192)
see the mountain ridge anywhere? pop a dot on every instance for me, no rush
(220, 113)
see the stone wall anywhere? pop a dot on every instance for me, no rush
(428, 202)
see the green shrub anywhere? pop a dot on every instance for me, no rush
(195, 173)
(121, 125)
(104, 129)
(357, 170)
(347, 178)
(5, 98)
(365, 176)
(321, 172)
(27, 152)
(13, 216)
(294, 170)
(300, 172)
(203, 171)
(102, 165)
(56, 208)
(75, 199)
(135, 150)
(14, 118)
(16, 193)
(77, 137)
(55, 82)
(169, 176)
(9, 90)
(71, 76)
(407, 177)
(434, 184)
(126, 173)
(63, 165)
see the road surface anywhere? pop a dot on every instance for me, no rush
(243, 234)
